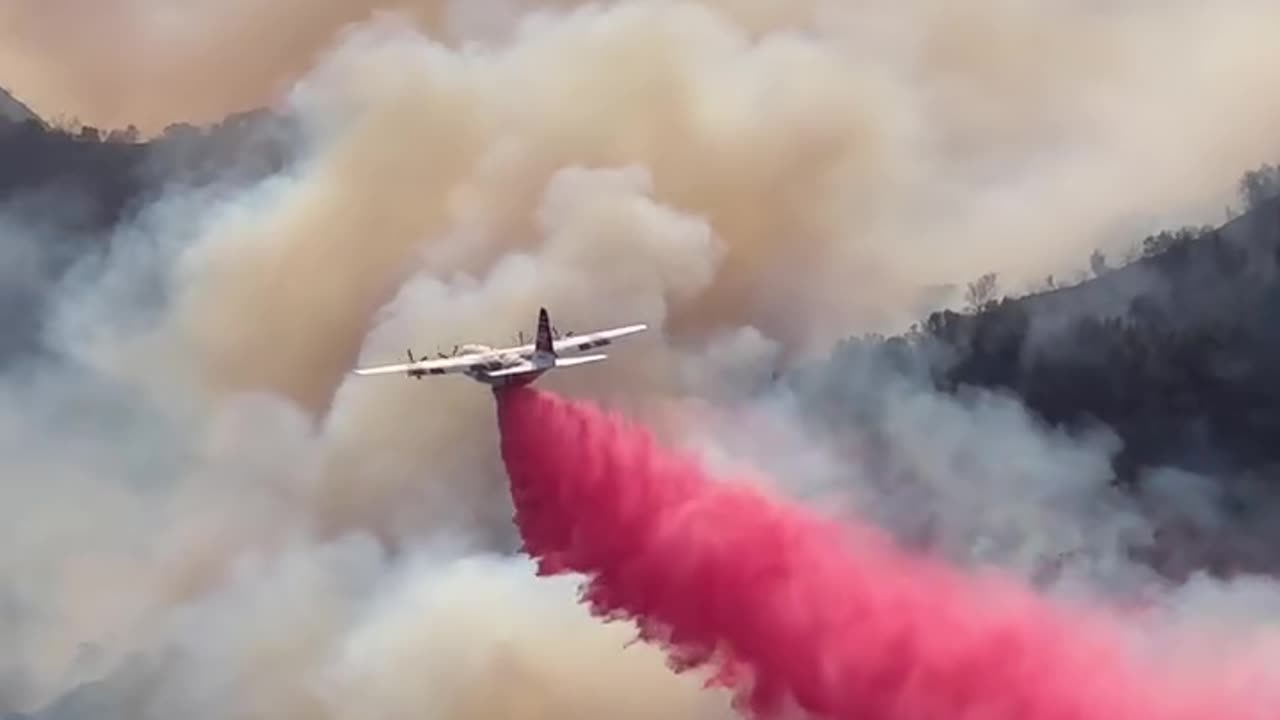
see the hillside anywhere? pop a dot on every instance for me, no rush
(72, 186)
(103, 174)
(12, 110)
(1175, 352)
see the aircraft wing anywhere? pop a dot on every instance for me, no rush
(596, 339)
(461, 363)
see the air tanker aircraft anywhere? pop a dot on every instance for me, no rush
(505, 367)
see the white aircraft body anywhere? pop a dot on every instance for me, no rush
(505, 367)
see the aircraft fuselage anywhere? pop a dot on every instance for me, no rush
(481, 372)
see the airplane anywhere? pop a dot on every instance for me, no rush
(511, 366)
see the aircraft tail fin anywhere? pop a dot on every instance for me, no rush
(544, 345)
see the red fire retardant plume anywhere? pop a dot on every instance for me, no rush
(791, 608)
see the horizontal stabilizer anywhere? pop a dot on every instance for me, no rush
(579, 360)
(528, 367)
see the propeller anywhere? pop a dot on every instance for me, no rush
(415, 374)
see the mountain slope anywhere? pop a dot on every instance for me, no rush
(1177, 351)
(12, 109)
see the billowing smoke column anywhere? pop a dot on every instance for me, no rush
(793, 608)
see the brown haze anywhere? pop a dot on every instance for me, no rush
(754, 179)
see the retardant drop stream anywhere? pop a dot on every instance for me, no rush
(790, 607)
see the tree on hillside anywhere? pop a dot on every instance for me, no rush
(1098, 263)
(128, 136)
(981, 293)
(1259, 186)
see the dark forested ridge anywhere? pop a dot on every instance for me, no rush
(106, 173)
(1178, 351)
(65, 188)
(1174, 353)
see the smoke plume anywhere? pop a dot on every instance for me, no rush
(202, 514)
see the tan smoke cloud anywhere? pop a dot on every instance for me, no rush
(844, 169)
(531, 658)
(66, 58)
(752, 177)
